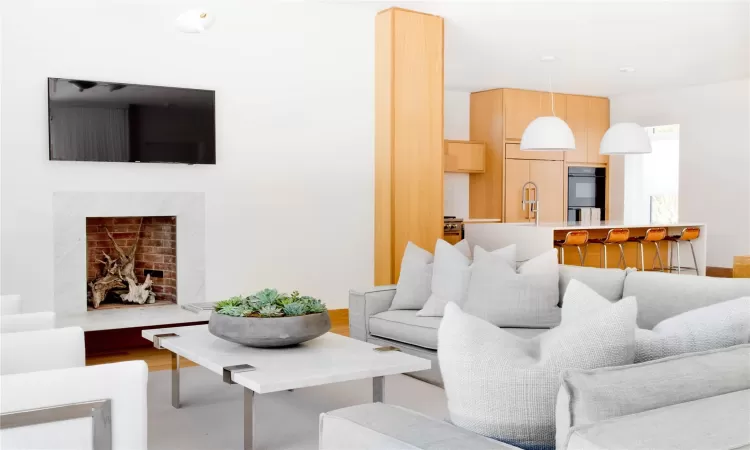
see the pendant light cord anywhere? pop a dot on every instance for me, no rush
(552, 95)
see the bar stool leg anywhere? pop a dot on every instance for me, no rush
(604, 252)
(580, 253)
(622, 257)
(658, 256)
(562, 255)
(695, 260)
(679, 260)
(643, 260)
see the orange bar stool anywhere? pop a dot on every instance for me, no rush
(615, 236)
(654, 236)
(688, 235)
(575, 239)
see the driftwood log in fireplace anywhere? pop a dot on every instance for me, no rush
(119, 273)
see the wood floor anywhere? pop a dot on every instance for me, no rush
(162, 360)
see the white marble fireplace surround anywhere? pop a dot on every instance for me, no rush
(70, 212)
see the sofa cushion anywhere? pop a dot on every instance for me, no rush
(376, 426)
(450, 279)
(405, 326)
(713, 423)
(506, 298)
(504, 387)
(606, 282)
(590, 396)
(662, 295)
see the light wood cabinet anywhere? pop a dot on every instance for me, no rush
(521, 107)
(517, 172)
(597, 123)
(408, 136)
(577, 110)
(499, 117)
(464, 156)
(549, 178)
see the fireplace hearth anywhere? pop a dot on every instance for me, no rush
(131, 261)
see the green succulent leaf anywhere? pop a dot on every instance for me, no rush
(229, 310)
(270, 311)
(234, 301)
(295, 309)
(265, 297)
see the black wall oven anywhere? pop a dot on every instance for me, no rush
(586, 189)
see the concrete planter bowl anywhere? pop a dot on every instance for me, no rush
(269, 332)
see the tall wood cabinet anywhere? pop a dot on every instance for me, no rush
(499, 118)
(408, 136)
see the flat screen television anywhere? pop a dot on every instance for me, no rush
(122, 122)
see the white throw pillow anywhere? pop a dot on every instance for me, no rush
(415, 279)
(720, 325)
(450, 279)
(504, 387)
(451, 273)
(717, 326)
(506, 298)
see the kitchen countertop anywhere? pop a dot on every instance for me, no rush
(605, 224)
(482, 220)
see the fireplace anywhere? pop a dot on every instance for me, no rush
(131, 261)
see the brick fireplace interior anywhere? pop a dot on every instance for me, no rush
(156, 254)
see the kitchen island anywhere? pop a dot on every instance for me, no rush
(532, 240)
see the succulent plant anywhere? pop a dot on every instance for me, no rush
(270, 311)
(270, 303)
(229, 310)
(265, 297)
(295, 309)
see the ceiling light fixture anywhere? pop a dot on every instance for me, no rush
(625, 139)
(548, 133)
(194, 21)
(627, 69)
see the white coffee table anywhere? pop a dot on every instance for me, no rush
(331, 358)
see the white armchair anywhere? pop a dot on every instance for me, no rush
(10, 304)
(96, 407)
(30, 351)
(50, 400)
(13, 323)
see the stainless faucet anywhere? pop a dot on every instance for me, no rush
(533, 204)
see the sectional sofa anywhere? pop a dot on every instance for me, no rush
(710, 410)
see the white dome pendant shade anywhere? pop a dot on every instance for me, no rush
(625, 139)
(548, 133)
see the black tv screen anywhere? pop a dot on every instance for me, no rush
(121, 122)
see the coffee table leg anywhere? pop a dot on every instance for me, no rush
(175, 380)
(378, 389)
(249, 418)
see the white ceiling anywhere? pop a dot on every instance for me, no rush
(669, 43)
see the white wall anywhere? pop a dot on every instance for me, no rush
(714, 158)
(456, 126)
(289, 203)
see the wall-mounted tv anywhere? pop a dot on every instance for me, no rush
(122, 122)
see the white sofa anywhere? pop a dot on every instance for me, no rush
(13, 323)
(50, 400)
(10, 304)
(659, 296)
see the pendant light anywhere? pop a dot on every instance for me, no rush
(625, 139)
(548, 133)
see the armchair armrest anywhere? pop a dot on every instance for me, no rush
(31, 351)
(365, 303)
(13, 323)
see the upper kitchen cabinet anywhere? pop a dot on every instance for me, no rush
(521, 108)
(597, 123)
(578, 109)
(588, 117)
(464, 156)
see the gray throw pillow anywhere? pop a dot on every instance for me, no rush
(506, 298)
(504, 387)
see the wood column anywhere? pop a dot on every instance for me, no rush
(408, 136)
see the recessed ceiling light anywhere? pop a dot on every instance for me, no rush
(627, 69)
(548, 58)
